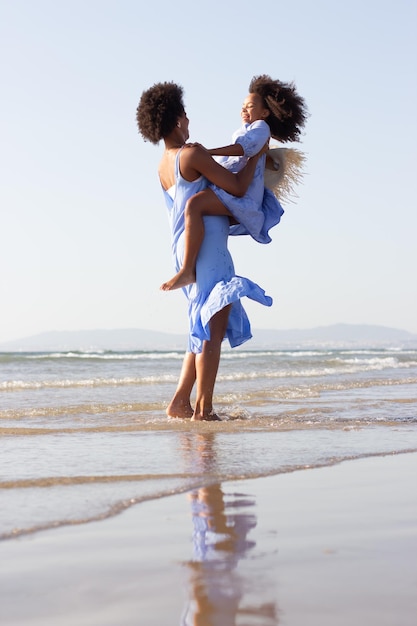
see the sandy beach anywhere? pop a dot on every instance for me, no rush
(329, 546)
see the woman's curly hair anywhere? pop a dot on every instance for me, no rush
(287, 109)
(158, 111)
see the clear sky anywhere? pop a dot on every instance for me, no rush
(84, 240)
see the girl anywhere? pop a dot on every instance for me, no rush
(271, 109)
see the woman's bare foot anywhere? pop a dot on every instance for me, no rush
(208, 417)
(182, 279)
(182, 410)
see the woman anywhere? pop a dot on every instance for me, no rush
(214, 307)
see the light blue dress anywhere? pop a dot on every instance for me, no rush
(259, 210)
(216, 283)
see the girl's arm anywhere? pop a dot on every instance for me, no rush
(247, 144)
(235, 149)
(196, 161)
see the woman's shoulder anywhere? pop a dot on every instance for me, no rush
(190, 151)
(194, 156)
(189, 164)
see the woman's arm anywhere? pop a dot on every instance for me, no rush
(196, 161)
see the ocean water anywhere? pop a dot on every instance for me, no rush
(84, 435)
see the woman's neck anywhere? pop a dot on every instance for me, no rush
(173, 145)
(175, 140)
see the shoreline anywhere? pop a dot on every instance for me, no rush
(323, 546)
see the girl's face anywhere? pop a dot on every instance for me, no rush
(253, 109)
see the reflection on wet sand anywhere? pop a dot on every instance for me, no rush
(221, 592)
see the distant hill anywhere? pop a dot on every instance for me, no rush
(337, 335)
(113, 339)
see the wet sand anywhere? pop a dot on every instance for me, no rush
(331, 546)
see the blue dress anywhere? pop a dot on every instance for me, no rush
(216, 283)
(258, 210)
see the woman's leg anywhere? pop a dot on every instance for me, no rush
(180, 405)
(203, 203)
(207, 365)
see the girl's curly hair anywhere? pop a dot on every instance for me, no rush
(158, 111)
(287, 109)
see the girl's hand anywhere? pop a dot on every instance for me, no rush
(194, 145)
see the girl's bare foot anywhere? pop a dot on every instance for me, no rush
(181, 279)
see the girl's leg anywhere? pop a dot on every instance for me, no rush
(207, 365)
(180, 405)
(203, 203)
